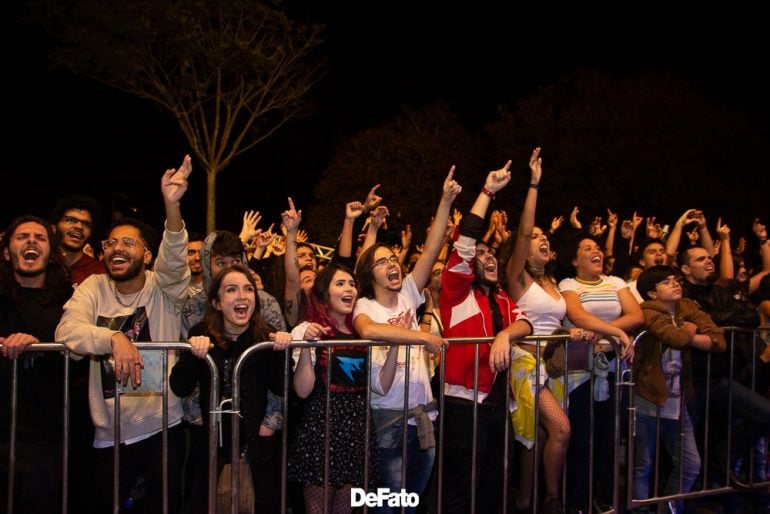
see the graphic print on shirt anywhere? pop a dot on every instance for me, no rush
(134, 327)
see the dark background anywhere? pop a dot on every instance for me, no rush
(68, 134)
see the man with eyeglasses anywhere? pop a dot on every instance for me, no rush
(73, 218)
(105, 316)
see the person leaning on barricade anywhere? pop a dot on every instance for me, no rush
(104, 317)
(663, 378)
(387, 311)
(34, 284)
(474, 306)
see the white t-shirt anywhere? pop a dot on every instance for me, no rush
(600, 299)
(403, 315)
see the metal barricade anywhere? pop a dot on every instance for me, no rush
(705, 486)
(147, 346)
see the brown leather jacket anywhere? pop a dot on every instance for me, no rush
(661, 327)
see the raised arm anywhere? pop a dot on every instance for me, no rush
(377, 220)
(514, 271)
(672, 244)
(173, 185)
(423, 266)
(352, 212)
(291, 219)
(726, 268)
(760, 230)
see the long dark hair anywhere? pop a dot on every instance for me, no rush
(214, 319)
(365, 270)
(57, 285)
(318, 307)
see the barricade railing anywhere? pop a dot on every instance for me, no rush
(165, 347)
(704, 486)
(624, 380)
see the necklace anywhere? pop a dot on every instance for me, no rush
(117, 296)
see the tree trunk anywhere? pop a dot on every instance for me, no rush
(211, 200)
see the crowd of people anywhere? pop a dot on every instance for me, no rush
(624, 295)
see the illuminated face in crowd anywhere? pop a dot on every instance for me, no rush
(539, 249)
(220, 262)
(74, 229)
(194, 257)
(668, 290)
(387, 269)
(589, 260)
(654, 254)
(485, 264)
(701, 269)
(306, 258)
(342, 294)
(306, 280)
(125, 254)
(236, 299)
(29, 250)
(435, 275)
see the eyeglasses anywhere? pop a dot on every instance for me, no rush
(128, 242)
(71, 220)
(384, 261)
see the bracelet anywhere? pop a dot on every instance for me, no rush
(427, 314)
(425, 323)
(534, 186)
(487, 192)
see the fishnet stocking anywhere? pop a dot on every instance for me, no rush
(339, 499)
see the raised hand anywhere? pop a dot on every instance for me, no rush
(353, 210)
(372, 200)
(173, 185)
(723, 231)
(693, 235)
(573, 218)
(498, 179)
(760, 229)
(636, 221)
(596, 228)
(627, 229)
(451, 188)
(379, 216)
(291, 217)
(556, 223)
(265, 237)
(301, 236)
(612, 219)
(249, 228)
(654, 230)
(406, 236)
(535, 166)
(457, 216)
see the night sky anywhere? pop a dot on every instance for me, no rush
(71, 134)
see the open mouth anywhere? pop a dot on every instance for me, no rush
(118, 260)
(74, 234)
(347, 299)
(393, 275)
(490, 268)
(31, 254)
(544, 250)
(596, 259)
(241, 310)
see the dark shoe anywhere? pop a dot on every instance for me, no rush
(739, 483)
(601, 505)
(552, 505)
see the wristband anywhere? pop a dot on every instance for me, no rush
(487, 192)
(534, 186)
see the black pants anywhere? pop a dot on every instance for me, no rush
(37, 478)
(142, 459)
(490, 455)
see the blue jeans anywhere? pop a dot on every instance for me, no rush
(418, 467)
(752, 408)
(644, 455)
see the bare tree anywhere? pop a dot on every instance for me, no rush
(230, 72)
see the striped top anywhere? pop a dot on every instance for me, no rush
(600, 298)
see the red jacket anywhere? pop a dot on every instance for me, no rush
(465, 312)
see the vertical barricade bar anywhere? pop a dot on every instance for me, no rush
(506, 435)
(327, 434)
(441, 420)
(474, 428)
(116, 448)
(164, 430)
(405, 426)
(285, 431)
(368, 428)
(65, 432)
(214, 422)
(617, 434)
(536, 447)
(12, 442)
(730, 407)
